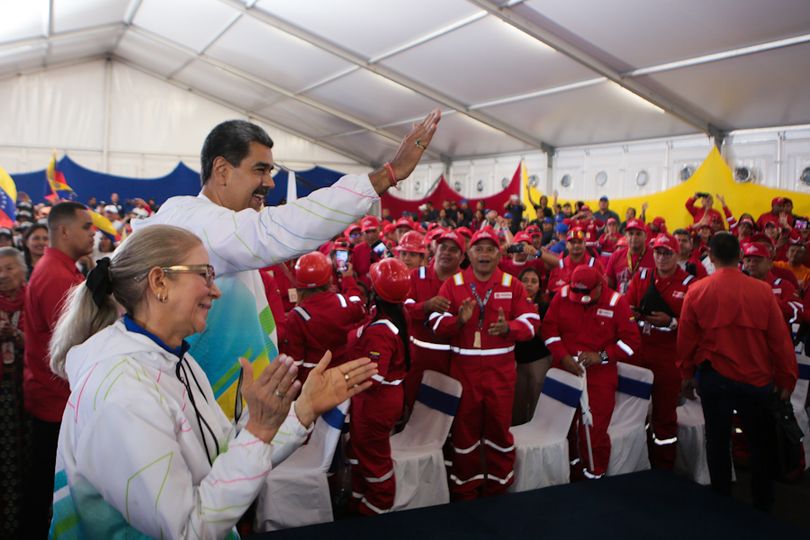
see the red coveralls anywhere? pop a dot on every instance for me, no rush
(427, 350)
(374, 413)
(321, 323)
(284, 276)
(619, 273)
(606, 325)
(788, 299)
(561, 274)
(487, 374)
(659, 354)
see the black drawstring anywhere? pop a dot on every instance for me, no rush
(200, 420)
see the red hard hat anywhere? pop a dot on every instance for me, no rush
(412, 242)
(391, 280)
(313, 270)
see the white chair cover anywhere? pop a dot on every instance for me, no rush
(419, 467)
(690, 456)
(799, 398)
(541, 445)
(627, 429)
(297, 491)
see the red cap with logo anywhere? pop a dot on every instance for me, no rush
(351, 229)
(575, 235)
(756, 249)
(412, 242)
(403, 222)
(434, 234)
(487, 233)
(522, 237)
(584, 279)
(465, 232)
(452, 236)
(369, 223)
(665, 241)
(634, 224)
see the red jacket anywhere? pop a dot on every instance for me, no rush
(273, 295)
(673, 291)
(380, 341)
(53, 276)
(425, 284)
(697, 213)
(734, 322)
(560, 275)
(508, 294)
(619, 272)
(606, 325)
(285, 281)
(790, 304)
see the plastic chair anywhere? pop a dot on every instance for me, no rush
(541, 445)
(419, 468)
(799, 398)
(297, 490)
(627, 429)
(690, 456)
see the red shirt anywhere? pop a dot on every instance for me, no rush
(622, 266)
(561, 274)
(734, 322)
(697, 213)
(425, 284)
(53, 276)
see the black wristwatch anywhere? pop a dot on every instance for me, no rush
(603, 356)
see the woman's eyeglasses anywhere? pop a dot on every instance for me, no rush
(206, 271)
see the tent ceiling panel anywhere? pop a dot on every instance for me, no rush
(76, 14)
(193, 23)
(643, 33)
(271, 54)
(464, 136)
(487, 60)
(150, 54)
(306, 119)
(377, 149)
(599, 113)
(210, 79)
(25, 19)
(369, 27)
(20, 58)
(79, 46)
(372, 98)
(769, 88)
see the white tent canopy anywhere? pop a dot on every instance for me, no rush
(510, 77)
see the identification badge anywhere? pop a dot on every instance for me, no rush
(503, 296)
(678, 294)
(605, 313)
(777, 291)
(293, 295)
(477, 339)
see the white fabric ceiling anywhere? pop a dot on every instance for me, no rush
(510, 76)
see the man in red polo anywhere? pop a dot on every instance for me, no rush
(70, 233)
(625, 262)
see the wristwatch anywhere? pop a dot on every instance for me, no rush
(603, 357)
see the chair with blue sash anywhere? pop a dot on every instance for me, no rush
(541, 445)
(297, 490)
(419, 468)
(627, 429)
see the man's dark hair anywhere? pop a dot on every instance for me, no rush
(681, 231)
(62, 213)
(725, 248)
(231, 140)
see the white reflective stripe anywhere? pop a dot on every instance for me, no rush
(614, 299)
(561, 263)
(409, 301)
(592, 262)
(551, 340)
(482, 352)
(448, 463)
(506, 280)
(795, 313)
(777, 281)
(302, 312)
(466, 450)
(353, 461)
(439, 320)
(434, 315)
(528, 324)
(643, 273)
(358, 299)
(422, 272)
(623, 346)
(664, 442)
(357, 495)
(529, 316)
(564, 291)
(383, 478)
(501, 481)
(458, 279)
(308, 365)
(298, 362)
(688, 278)
(342, 301)
(378, 510)
(730, 219)
(460, 482)
(592, 476)
(574, 461)
(431, 346)
(498, 448)
(389, 324)
(381, 380)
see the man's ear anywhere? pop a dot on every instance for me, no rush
(220, 171)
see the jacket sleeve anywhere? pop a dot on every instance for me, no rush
(690, 206)
(414, 308)
(294, 343)
(628, 342)
(151, 484)
(446, 324)
(610, 270)
(377, 343)
(780, 347)
(550, 331)
(789, 304)
(525, 320)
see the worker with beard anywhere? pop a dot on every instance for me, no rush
(488, 312)
(625, 262)
(589, 327)
(428, 351)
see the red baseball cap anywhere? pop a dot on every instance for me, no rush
(777, 200)
(485, 234)
(761, 238)
(464, 231)
(611, 220)
(584, 279)
(403, 222)
(369, 223)
(635, 224)
(433, 234)
(665, 241)
(576, 234)
(522, 237)
(748, 220)
(452, 236)
(756, 249)
(350, 229)
(585, 208)
(388, 229)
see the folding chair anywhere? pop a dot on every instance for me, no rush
(541, 445)
(419, 467)
(627, 429)
(690, 456)
(799, 398)
(297, 491)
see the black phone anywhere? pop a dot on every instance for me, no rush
(800, 224)
(342, 260)
(380, 249)
(515, 248)
(701, 194)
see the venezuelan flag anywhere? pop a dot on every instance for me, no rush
(56, 181)
(104, 225)
(8, 200)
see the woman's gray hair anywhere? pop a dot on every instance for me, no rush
(158, 245)
(14, 253)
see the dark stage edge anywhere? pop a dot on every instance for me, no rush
(649, 505)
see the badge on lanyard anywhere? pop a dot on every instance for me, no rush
(482, 305)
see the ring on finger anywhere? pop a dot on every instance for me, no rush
(278, 394)
(346, 377)
(418, 143)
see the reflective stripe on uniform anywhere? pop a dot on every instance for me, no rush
(498, 448)
(506, 281)
(466, 450)
(431, 346)
(482, 352)
(302, 313)
(551, 340)
(615, 298)
(389, 324)
(379, 379)
(342, 300)
(377, 480)
(623, 346)
(458, 278)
